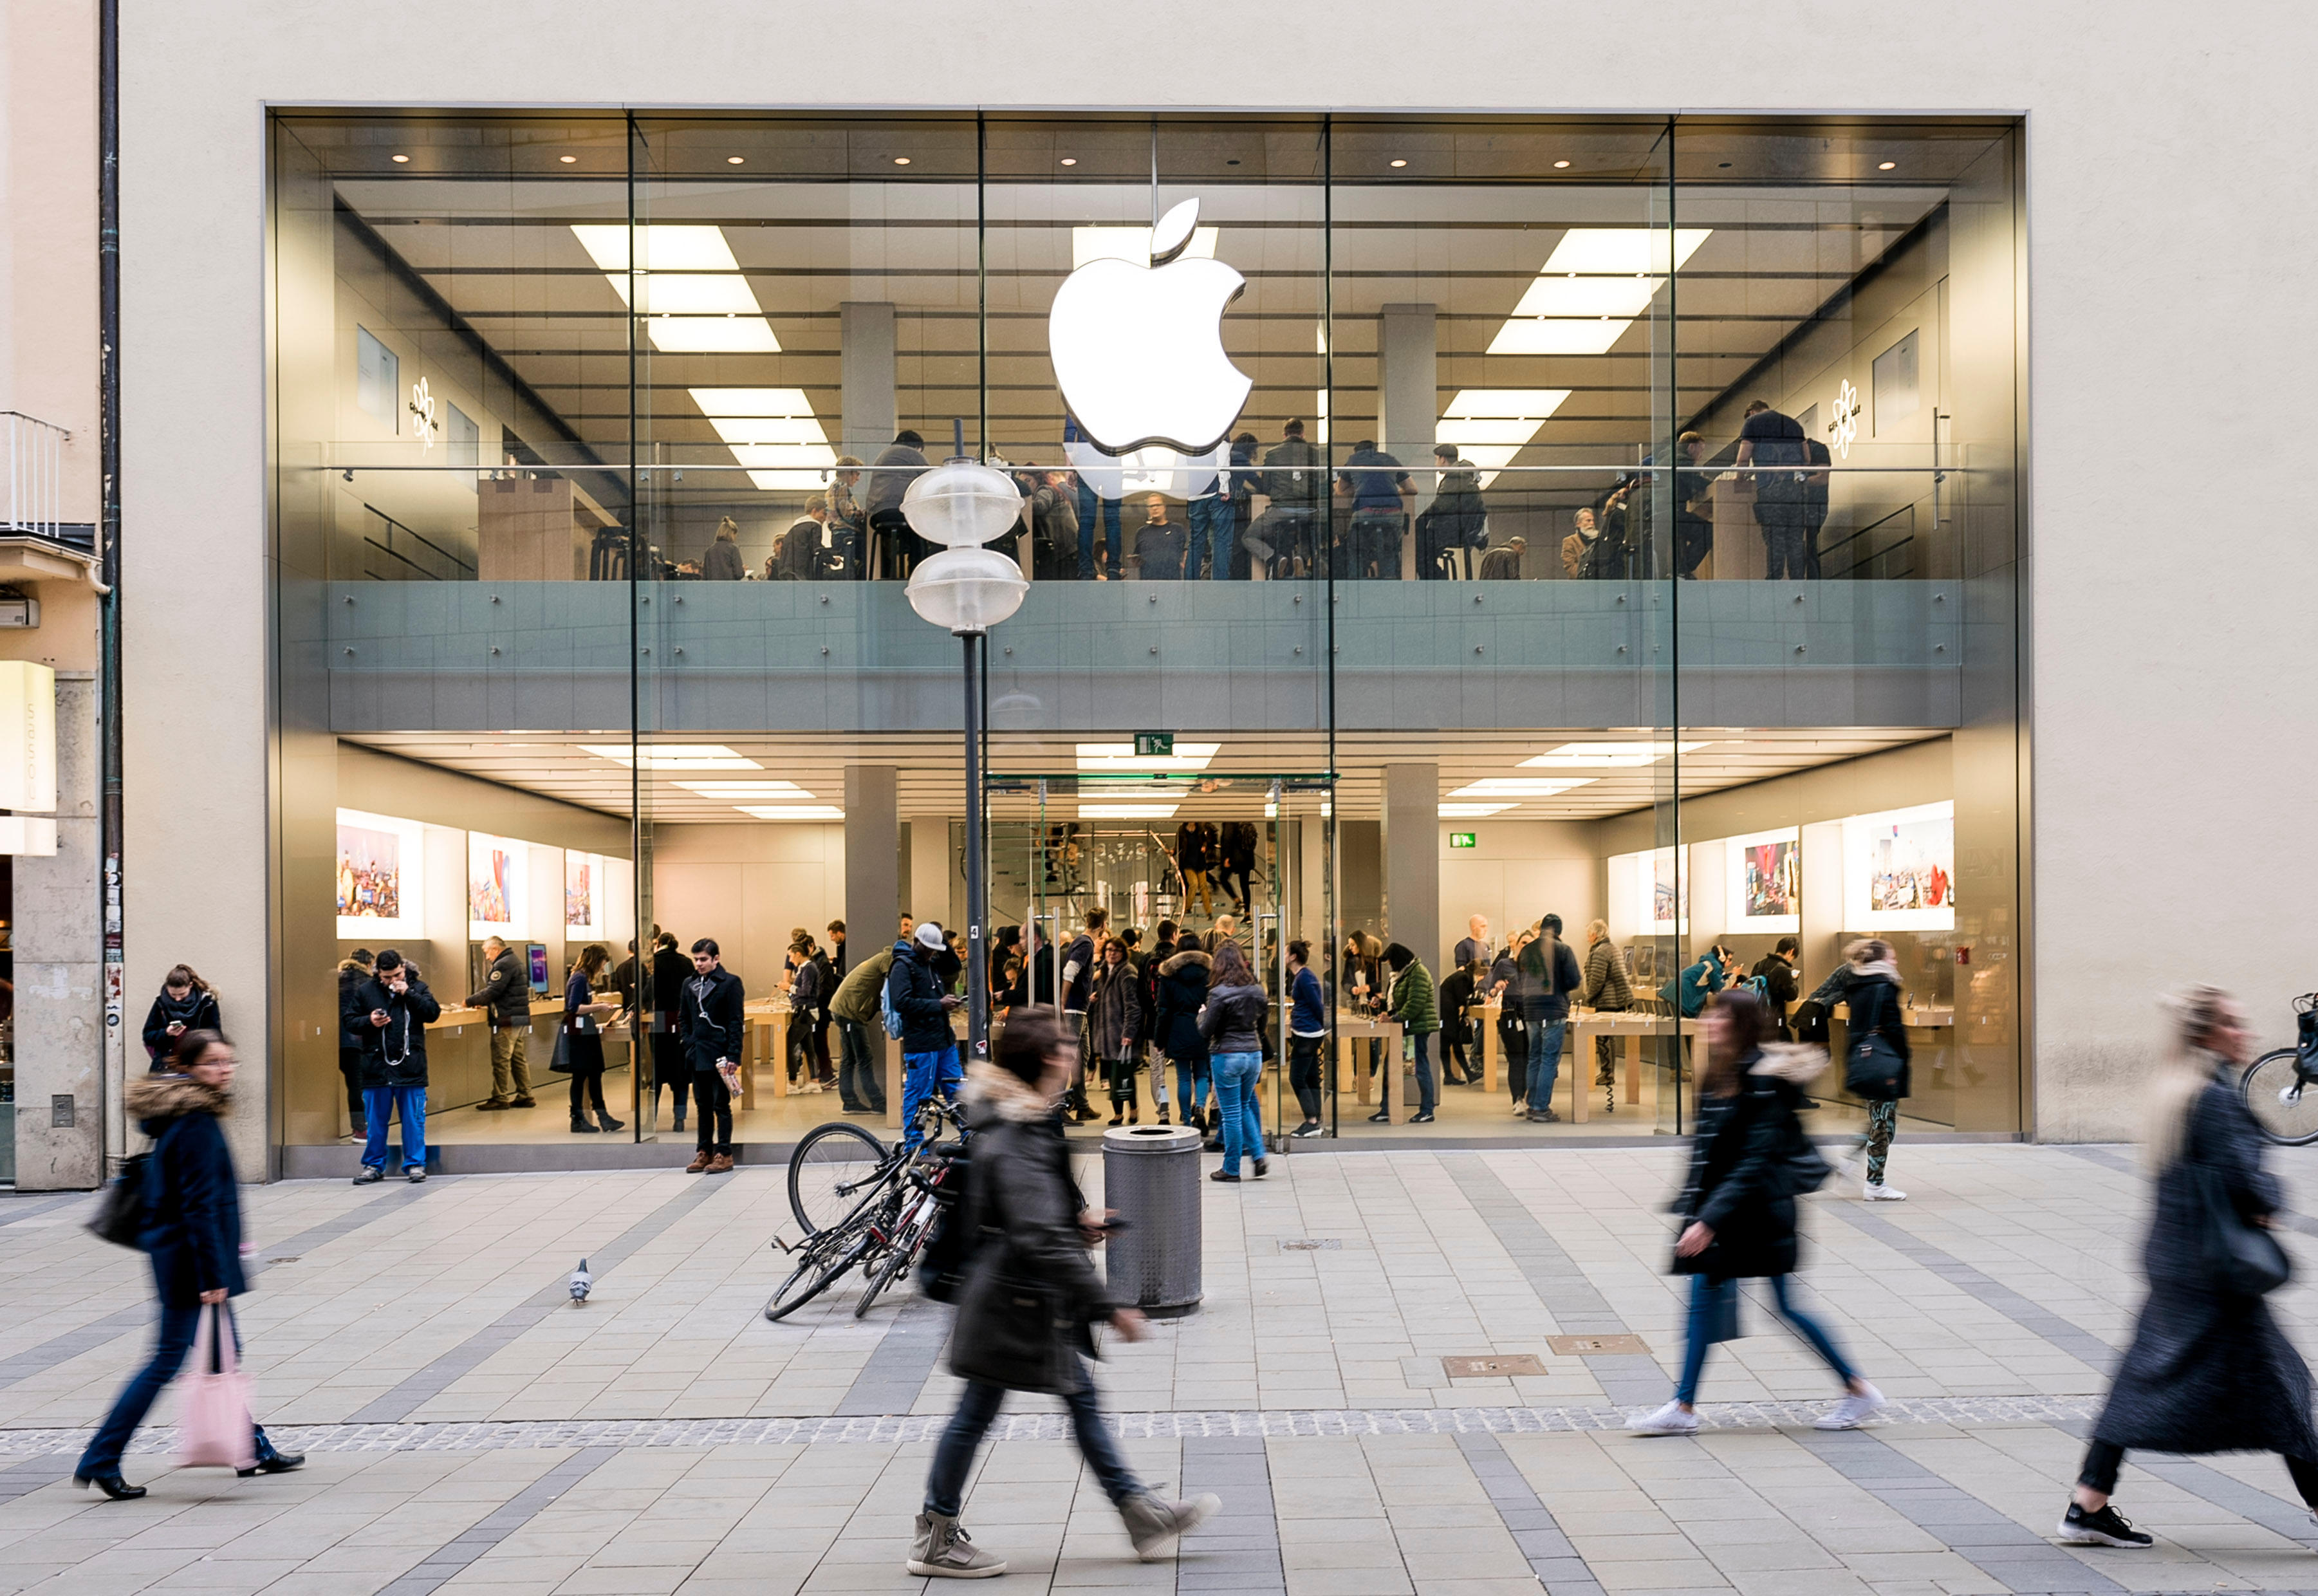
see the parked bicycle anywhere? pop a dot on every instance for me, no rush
(2277, 1085)
(863, 1204)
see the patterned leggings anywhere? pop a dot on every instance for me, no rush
(1882, 1120)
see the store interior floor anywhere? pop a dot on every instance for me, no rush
(1463, 1113)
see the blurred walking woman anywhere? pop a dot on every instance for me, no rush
(2208, 1369)
(1749, 1160)
(1867, 984)
(192, 1231)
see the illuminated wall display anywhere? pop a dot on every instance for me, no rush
(382, 869)
(1900, 870)
(1764, 872)
(499, 884)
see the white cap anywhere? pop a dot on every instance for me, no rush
(929, 935)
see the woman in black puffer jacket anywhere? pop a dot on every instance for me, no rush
(1183, 993)
(1748, 1161)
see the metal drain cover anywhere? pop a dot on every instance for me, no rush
(1311, 1244)
(1577, 1346)
(1476, 1369)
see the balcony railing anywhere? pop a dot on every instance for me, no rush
(36, 460)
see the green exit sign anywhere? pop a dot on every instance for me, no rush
(1155, 745)
(1460, 840)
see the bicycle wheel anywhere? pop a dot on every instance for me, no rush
(816, 1272)
(829, 1173)
(900, 1260)
(2281, 1104)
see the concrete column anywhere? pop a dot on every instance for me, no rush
(866, 352)
(872, 860)
(1412, 858)
(1409, 389)
(1359, 884)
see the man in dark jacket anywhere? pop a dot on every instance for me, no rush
(1078, 988)
(898, 465)
(1776, 971)
(393, 1009)
(506, 993)
(1550, 974)
(1454, 522)
(713, 1024)
(669, 971)
(928, 1049)
(1295, 481)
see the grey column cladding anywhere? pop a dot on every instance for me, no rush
(866, 369)
(873, 888)
(1412, 858)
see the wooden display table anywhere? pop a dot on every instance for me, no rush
(767, 1047)
(1353, 1029)
(1485, 1043)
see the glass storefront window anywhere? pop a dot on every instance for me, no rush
(1605, 521)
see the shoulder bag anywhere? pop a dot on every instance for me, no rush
(2241, 1258)
(120, 1216)
(1871, 1065)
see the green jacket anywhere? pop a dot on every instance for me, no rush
(1414, 1003)
(857, 994)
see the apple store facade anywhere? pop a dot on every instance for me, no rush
(1432, 529)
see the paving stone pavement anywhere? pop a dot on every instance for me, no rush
(468, 1429)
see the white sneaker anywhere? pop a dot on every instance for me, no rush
(1669, 1420)
(1883, 1194)
(1849, 1410)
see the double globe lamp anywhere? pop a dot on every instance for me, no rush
(967, 589)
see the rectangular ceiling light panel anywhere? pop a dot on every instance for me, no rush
(1122, 756)
(1606, 756)
(1592, 287)
(1490, 426)
(1471, 811)
(694, 298)
(791, 812)
(737, 791)
(1127, 811)
(673, 756)
(1520, 786)
(772, 431)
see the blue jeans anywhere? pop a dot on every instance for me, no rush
(1705, 1297)
(1191, 1084)
(1427, 1091)
(922, 1075)
(1212, 527)
(1090, 501)
(1237, 1074)
(174, 1340)
(979, 1405)
(859, 1082)
(410, 1102)
(1545, 1036)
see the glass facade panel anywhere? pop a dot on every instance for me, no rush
(1456, 578)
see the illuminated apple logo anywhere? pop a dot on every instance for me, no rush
(1139, 350)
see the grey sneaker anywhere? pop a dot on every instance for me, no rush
(943, 1550)
(1155, 1526)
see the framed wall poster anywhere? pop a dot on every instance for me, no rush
(1645, 895)
(583, 881)
(381, 876)
(1900, 870)
(1765, 873)
(498, 881)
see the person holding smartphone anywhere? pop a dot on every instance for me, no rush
(710, 1018)
(928, 1050)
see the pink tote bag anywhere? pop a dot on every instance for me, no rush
(215, 1430)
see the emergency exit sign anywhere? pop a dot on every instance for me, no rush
(1155, 745)
(1460, 840)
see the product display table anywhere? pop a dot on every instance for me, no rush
(1352, 1029)
(768, 1047)
(1577, 1063)
(1485, 1043)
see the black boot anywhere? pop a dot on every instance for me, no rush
(270, 1461)
(111, 1485)
(580, 1127)
(608, 1123)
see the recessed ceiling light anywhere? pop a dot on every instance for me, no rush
(737, 792)
(900, 160)
(567, 159)
(1121, 757)
(1070, 160)
(1516, 786)
(1127, 811)
(1400, 162)
(1471, 811)
(734, 160)
(793, 812)
(674, 755)
(1558, 166)
(1886, 165)
(398, 159)
(1607, 756)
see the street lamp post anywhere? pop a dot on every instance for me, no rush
(968, 588)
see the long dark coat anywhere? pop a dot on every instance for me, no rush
(2208, 1372)
(1734, 1187)
(193, 1206)
(1030, 1292)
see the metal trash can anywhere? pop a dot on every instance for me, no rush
(1151, 1180)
